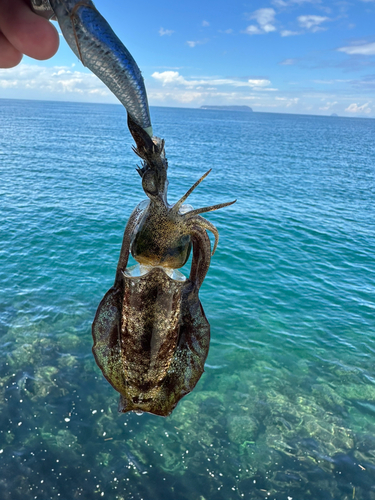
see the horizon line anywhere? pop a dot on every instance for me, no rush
(333, 115)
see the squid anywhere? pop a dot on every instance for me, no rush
(150, 333)
(151, 336)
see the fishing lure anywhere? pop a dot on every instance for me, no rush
(93, 41)
(151, 336)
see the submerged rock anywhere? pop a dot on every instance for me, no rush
(242, 428)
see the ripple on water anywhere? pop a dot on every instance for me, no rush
(285, 408)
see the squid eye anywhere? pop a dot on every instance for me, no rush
(149, 182)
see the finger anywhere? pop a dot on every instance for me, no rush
(9, 56)
(29, 33)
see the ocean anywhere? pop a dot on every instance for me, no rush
(286, 407)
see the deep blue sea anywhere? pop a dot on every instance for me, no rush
(286, 407)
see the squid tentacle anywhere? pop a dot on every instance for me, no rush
(207, 226)
(212, 208)
(126, 242)
(201, 255)
(192, 213)
(177, 205)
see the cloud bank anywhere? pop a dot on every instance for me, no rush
(54, 80)
(312, 23)
(265, 19)
(163, 32)
(174, 77)
(366, 49)
(355, 109)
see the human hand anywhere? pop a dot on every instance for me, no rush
(23, 32)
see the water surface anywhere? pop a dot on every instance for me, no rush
(286, 406)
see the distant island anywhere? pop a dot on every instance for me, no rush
(247, 109)
(334, 114)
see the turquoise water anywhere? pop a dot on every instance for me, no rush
(286, 406)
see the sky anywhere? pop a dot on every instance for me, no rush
(286, 56)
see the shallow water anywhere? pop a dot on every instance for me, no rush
(286, 406)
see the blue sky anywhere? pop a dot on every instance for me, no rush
(288, 56)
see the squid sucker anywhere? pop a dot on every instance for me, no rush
(151, 336)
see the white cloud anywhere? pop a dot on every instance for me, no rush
(8, 84)
(328, 105)
(227, 32)
(205, 24)
(174, 78)
(287, 3)
(367, 49)
(193, 43)
(163, 32)
(184, 96)
(288, 62)
(265, 19)
(189, 96)
(167, 77)
(289, 33)
(354, 108)
(259, 83)
(288, 101)
(312, 23)
(254, 30)
(53, 80)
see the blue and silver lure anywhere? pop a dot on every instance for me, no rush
(93, 41)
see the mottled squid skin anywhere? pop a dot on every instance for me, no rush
(151, 336)
(151, 339)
